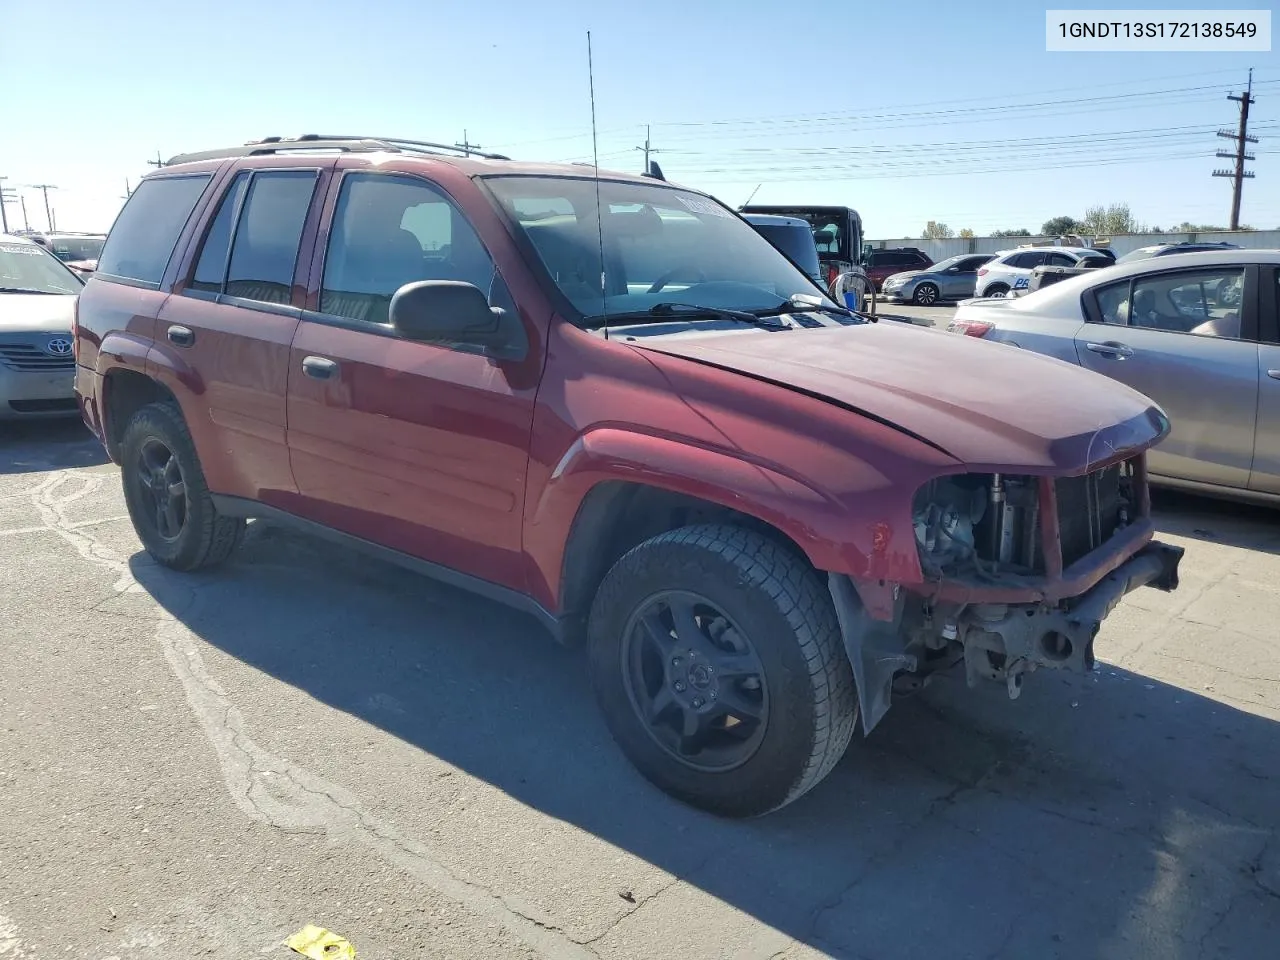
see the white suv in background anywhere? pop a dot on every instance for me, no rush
(1010, 270)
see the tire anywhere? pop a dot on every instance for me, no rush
(996, 290)
(193, 535)
(803, 690)
(926, 295)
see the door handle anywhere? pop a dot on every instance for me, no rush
(1111, 350)
(180, 336)
(319, 368)
(1274, 374)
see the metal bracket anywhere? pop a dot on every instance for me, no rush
(875, 649)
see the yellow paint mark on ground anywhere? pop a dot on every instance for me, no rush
(320, 944)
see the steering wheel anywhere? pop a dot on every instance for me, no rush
(670, 275)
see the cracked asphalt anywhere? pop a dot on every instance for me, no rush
(200, 765)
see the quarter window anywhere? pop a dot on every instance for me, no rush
(389, 231)
(147, 229)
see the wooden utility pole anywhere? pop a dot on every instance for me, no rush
(157, 162)
(466, 146)
(45, 188)
(1242, 139)
(4, 198)
(647, 149)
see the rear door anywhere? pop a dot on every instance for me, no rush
(415, 446)
(223, 340)
(1182, 338)
(1265, 477)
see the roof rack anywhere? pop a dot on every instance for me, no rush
(339, 142)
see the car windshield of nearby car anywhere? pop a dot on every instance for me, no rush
(1142, 253)
(661, 245)
(26, 268)
(76, 248)
(795, 240)
(948, 263)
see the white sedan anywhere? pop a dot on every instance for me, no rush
(1199, 333)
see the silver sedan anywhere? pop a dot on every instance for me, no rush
(1199, 333)
(949, 280)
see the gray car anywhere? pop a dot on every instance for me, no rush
(1199, 333)
(37, 306)
(952, 279)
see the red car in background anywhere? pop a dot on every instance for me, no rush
(880, 265)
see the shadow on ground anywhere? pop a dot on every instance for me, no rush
(33, 446)
(1217, 521)
(1109, 815)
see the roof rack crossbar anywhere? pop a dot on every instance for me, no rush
(341, 143)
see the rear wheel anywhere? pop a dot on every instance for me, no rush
(718, 663)
(996, 290)
(166, 494)
(926, 294)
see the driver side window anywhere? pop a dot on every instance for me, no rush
(1204, 303)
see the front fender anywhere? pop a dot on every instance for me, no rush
(833, 537)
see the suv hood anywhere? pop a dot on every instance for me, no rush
(958, 394)
(36, 312)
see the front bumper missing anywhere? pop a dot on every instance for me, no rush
(1001, 641)
(1007, 641)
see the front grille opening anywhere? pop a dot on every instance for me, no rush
(990, 525)
(29, 358)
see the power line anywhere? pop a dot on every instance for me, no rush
(1239, 175)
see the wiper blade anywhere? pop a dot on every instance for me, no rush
(673, 309)
(25, 290)
(803, 303)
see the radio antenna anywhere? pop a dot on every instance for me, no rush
(753, 195)
(595, 168)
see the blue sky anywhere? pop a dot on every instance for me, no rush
(906, 111)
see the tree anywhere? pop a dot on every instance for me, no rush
(1107, 221)
(933, 230)
(1020, 232)
(965, 234)
(1061, 226)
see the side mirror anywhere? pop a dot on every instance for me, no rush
(457, 314)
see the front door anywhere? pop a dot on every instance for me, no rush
(224, 336)
(958, 282)
(415, 446)
(1187, 339)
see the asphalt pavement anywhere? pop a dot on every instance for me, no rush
(200, 765)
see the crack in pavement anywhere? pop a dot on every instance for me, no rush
(271, 789)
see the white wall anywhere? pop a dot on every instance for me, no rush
(953, 246)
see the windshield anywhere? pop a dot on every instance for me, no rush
(76, 248)
(27, 268)
(1142, 253)
(794, 240)
(660, 244)
(947, 263)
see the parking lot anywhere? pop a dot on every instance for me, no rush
(201, 765)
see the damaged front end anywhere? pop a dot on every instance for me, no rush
(1019, 572)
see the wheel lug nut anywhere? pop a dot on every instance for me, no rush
(675, 661)
(697, 701)
(679, 687)
(712, 694)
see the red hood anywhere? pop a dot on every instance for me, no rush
(988, 405)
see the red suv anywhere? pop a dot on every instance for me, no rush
(611, 403)
(880, 265)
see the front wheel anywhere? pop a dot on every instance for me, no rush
(996, 290)
(718, 663)
(926, 294)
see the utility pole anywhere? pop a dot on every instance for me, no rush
(45, 188)
(647, 149)
(26, 224)
(157, 162)
(1242, 138)
(4, 198)
(127, 191)
(466, 146)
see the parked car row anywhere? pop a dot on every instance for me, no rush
(612, 403)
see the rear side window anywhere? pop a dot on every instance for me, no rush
(211, 268)
(144, 235)
(264, 250)
(1059, 260)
